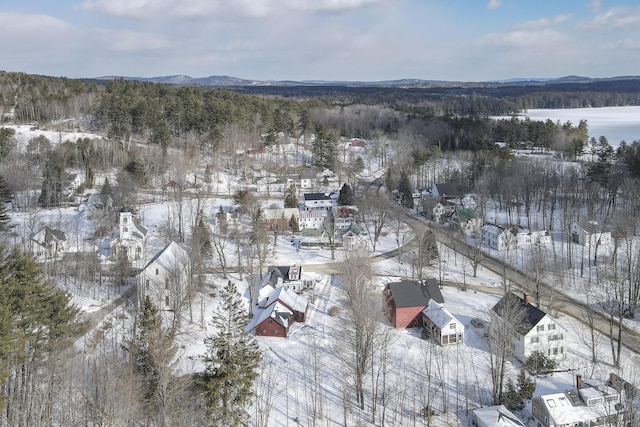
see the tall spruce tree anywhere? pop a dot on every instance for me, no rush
(231, 361)
(154, 353)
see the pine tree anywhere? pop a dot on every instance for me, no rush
(154, 354)
(231, 361)
(346, 197)
(290, 200)
(36, 321)
(404, 188)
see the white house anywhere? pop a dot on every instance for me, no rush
(497, 237)
(355, 238)
(320, 201)
(292, 277)
(589, 233)
(441, 325)
(313, 219)
(495, 416)
(165, 278)
(443, 208)
(466, 221)
(590, 403)
(344, 216)
(48, 244)
(535, 331)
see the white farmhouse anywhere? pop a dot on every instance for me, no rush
(535, 331)
(165, 278)
(320, 201)
(497, 237)
(48, 244)
(589, 233)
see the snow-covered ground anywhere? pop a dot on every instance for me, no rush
(451, 380)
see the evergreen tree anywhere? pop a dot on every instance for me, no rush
(404, 188)
(526, 387)
(106, 188)
(53, 181)
(290, 200)
(36, 320)
(347, 196)
(202, 237)
(221, 219)
(293, 224)
(5, 196)
(154, 352)
(510, 397)
(325, 149)
(231, 361)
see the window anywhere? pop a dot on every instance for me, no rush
(534, 339)
(452, 326)
(166, 301)
(551, 327)
(540, 328)
(146, 283)
(124, 220)
(263, 331)
(157, 271)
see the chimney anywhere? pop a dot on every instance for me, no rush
(527, 299)
(578, 381)
(613, 379)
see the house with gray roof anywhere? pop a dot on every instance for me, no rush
(534, 330)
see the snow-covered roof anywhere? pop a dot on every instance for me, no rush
(289, 298)
(439, 315)
(279, 312)
(493, 229)
(171, 255)
(496, 416)
(569, 408)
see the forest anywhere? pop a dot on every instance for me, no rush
(173, 142)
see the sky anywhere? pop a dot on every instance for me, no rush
(356, 40)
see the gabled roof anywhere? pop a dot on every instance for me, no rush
(277, 311)
(171, 255)
(47, 234)
(140, 230)
(465, 214)
(355, 230)
(497, 416)
(413, 293)
(444, 189)
(439, 315)
(289, 298)
(532, 314)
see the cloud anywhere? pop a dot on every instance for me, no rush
(220, 9)
(32, 30)
(622, 17)
(626, 44)
(544, 22)
(493, 4)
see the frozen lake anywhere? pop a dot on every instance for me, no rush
(615, 123)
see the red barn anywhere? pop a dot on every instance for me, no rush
(274, 321)
(404, 301)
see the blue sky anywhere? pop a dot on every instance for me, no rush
(365, 40)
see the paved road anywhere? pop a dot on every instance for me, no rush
(551, 296)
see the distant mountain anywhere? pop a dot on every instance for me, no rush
(222, 81)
